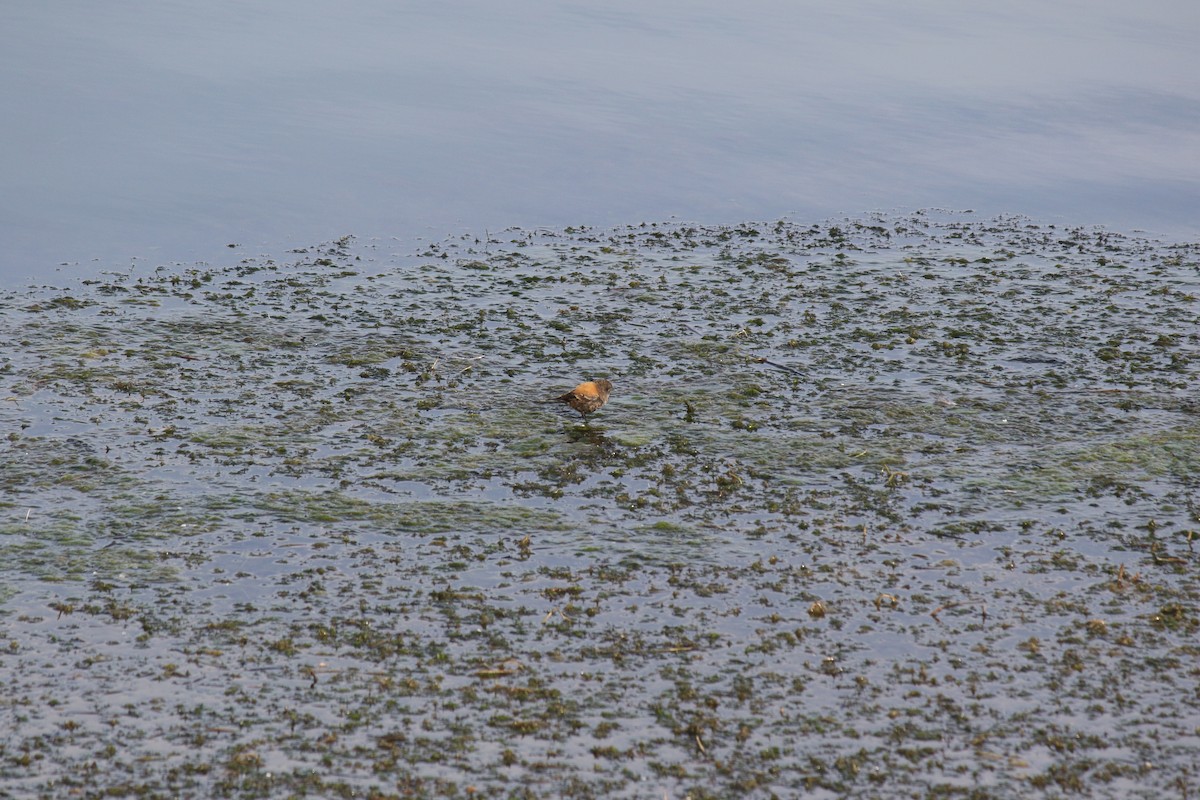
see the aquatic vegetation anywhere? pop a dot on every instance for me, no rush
(882, 506)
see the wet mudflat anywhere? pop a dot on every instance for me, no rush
(890, 506)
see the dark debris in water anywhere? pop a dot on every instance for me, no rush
(886, 506)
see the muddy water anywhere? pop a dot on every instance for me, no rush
(879, 506)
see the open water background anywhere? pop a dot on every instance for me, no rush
(164, 131)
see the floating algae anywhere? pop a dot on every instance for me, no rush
(883, 506)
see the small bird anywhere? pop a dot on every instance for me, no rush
(588, 397)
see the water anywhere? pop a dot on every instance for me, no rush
(904, 506)
(897, 504)
(164, 131)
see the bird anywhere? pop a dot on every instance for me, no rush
(588, 397)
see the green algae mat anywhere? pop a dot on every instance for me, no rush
(893, 506)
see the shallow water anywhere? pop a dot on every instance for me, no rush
(888, 505)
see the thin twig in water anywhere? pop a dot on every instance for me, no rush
(777, 365)
(468, 367)
(982, 608)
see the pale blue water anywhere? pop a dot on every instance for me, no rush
(165, 130)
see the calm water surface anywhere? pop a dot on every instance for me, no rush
(165, 130)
